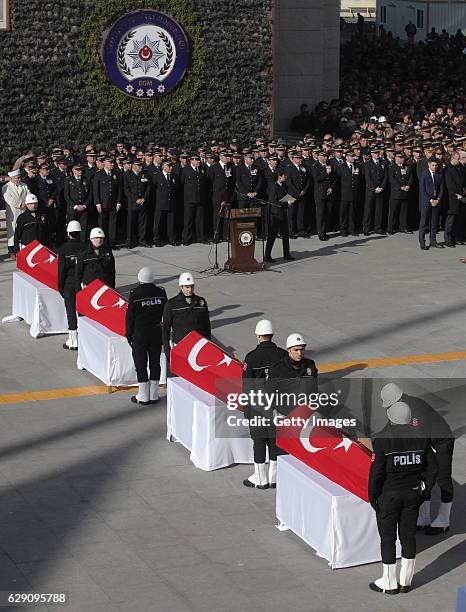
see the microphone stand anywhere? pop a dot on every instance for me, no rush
(216, 267)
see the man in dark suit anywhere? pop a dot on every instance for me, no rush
(456, 184)
(222, 176)
(376, 175)
(249, 181)
(324, 181)
(107, 190)
(59, 174)
(78, 198)
(137, 189)
(194, 183)
(350, 177)
(297, 183)
(401, 180)
(166, 187)
(431, 187)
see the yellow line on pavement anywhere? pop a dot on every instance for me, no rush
(384, 362)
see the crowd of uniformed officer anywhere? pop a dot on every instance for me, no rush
(380, 179)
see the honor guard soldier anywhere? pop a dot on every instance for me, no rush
(78, 198)
(137, 189)
(402, 473)
(67, 260)
(256, 367)
(440, 436)
(107, 190)
(31, 225)
(184, 313)
(144, 334)
(292, 374)
(95, 261)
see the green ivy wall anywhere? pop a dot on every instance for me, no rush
(53, 87)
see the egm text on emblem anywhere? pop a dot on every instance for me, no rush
(246, 239)
(145, 54)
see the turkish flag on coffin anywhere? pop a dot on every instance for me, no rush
(327, 450)
(102, 304)
(204, 364)
(41, 263)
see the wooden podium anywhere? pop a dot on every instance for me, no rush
(243, 232)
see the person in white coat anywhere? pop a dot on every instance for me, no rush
(14, 193)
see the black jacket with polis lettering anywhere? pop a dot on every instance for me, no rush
(145, 311)
(183, 315)
(402, 457)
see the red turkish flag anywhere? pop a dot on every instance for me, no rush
(328, 450)
(204, 364)
(41, 263)
(102, 304)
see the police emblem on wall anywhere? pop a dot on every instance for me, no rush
(146, 54)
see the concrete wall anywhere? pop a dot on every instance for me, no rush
(307, 56)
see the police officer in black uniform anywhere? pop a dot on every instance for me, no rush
(292, 375)
(256, 368)
(144, 334)
(67, 259)
(137, 190)
(402, 473)
(441, 438)
(184, 313)
(32, 225)
(95, 261)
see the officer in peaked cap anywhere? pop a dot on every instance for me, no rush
(184, 313)
(402, 473)
(256, 367)
(194, 185)
(144, 334)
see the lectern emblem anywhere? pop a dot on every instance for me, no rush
(246, 239)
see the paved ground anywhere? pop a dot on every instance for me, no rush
(94, 501)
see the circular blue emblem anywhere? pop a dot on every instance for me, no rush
(146, 54)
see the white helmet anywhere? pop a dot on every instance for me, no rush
(399, 413)
(73, 226)
(295, 340)
(186, 279)
(390, 394)
(145, 275)
(97, 232)
(264, 328)
(31, 199)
